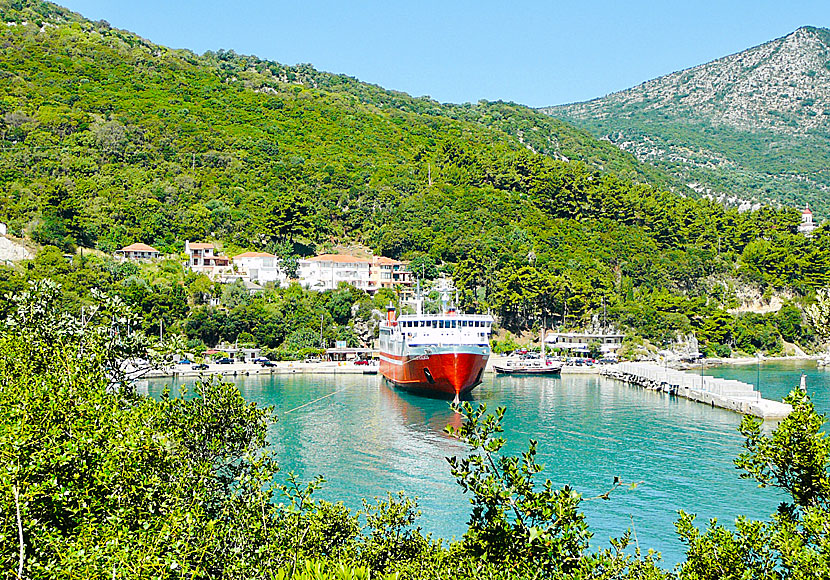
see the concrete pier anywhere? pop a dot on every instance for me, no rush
(726, 394)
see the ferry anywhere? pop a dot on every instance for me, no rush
(435, 354)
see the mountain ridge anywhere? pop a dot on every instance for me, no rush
(754, 125)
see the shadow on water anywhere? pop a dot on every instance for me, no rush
(368, 438)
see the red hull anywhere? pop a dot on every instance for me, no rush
(451, 373)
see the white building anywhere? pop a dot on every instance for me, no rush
(807, 224)
(577, 344)
(3, 229)
(137, 252)
(202, 257)
(260, 267)
(327, 271)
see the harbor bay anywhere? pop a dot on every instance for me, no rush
(367, 438)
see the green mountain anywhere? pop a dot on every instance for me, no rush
(109, 139)
(750, 126)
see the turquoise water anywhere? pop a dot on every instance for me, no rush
(367, 438)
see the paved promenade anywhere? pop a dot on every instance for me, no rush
(726, 394)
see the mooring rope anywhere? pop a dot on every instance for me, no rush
(315, 400)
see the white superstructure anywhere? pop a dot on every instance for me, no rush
(436, 330)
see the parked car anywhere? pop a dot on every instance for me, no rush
(313, 359)
(261, 359)
(199, 367)
(267, 363)
(361, 361)
(184, 361)
(224, 361)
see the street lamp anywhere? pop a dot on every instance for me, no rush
(758, 371)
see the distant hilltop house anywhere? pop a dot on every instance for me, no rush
(260, 267)
(807, 224)
(202, 257)
(138, 251)
(327, 271)
(577, 344)
(3, 229)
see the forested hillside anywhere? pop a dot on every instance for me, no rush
(753, 126)
(110, 139)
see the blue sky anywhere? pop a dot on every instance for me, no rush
(531, 52)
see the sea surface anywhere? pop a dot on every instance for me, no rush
(367, 438)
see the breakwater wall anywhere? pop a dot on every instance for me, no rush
(723, 393)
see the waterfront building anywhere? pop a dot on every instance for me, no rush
(390, 273)
(202, 257)
(807, 224)
(325, 272)
(260, 267)
(240, 353)
(577, 344)
(137, 251)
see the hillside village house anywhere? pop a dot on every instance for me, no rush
(202, 257)
(390, 273)
(325, 272)
(137, 251)
(260, 267)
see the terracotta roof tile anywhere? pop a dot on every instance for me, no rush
(254, 255)
(138, 247)
(342, 258)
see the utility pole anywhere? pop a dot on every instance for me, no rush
(429, 173)
(321, 332)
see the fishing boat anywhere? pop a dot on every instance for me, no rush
(530, 364)
(435, 354)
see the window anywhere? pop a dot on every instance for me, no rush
(453, 323)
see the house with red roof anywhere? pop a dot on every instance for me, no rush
(807, 224)
(326, 271)
(202, 257)
(138, 251)
(390, 273)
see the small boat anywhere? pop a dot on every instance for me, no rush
(529, 366)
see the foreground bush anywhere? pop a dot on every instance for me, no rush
(99, 482)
